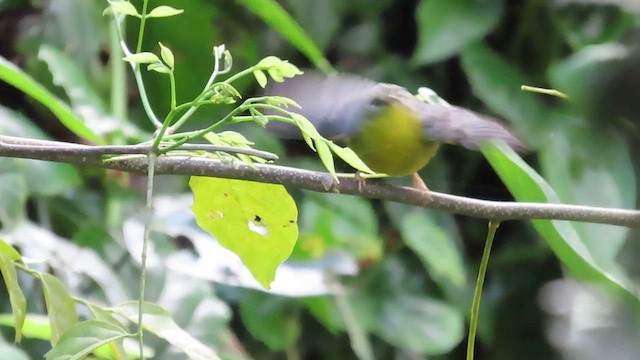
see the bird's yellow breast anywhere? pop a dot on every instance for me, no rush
(392, 142)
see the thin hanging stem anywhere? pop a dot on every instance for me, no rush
(477, 294)
(145, 246)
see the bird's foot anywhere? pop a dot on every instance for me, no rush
(360, 180)
(418, 183)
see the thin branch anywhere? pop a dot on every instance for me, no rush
(30, 145)
(323, 182)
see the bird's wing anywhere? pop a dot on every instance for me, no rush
(334, 104)
(455, 125)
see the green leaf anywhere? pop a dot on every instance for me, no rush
(225, 93)
(261, 313)
(167, 56)
(9, 252)
(280, 101)
(433, 246)
(85, 99)
(335, 222)
(13, 192)
(21, 172)
(258, 117)
(526, 185)
(306, 126)
(60, 306)
(83, 338)
(261, 78)
(35, 326)
(256, 221)
(326, 157)
(14, 76)
(446, 26)
(595, 169)
(350, 158)
(124, 7)
(275, 16)
(164, 11)
(277, 68)
(158, 321)
(142, 58)
(276, 74)
(234, 138)
(159, 67)
(16, 297)
(269, 62)
(420, 324)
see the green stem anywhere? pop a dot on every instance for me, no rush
(228, 118)
(239, 75)
(143, 21)
(477, 294)
(172, 84)
(195, 103)
(145, 246)
(137, 74)
(118, 78)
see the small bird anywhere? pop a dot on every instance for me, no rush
(390, 129)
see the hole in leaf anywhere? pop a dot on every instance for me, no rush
(258, 227)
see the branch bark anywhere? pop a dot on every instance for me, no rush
(314, 181)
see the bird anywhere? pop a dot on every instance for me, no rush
(389, 128)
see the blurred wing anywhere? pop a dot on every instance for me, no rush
(455, 125)
(334, 104)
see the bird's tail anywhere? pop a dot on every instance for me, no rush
(452, 124)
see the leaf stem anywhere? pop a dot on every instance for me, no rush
(477, 294)
(145, 246)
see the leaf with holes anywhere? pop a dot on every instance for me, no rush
(256, 221)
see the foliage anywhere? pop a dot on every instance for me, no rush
(372, 279)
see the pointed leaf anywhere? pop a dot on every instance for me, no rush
(351, 158)
(14, 76)
(164, 11)
(124, 7)
(167, 56)
(326, 157)
(16, 297)
(277, 17)
(142, 58)
(158, 321)
(83, 338)
(433, 246)
(439, 26)
(60, 306)
(561, 236)
(421, 324)
(261, 78)
(9, 251)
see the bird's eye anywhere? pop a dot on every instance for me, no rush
(380, 101)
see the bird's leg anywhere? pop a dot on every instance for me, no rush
(360, 180)
(418, 183)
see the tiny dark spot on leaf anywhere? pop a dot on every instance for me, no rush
(257, 218)
(225, 194)
(292, 221)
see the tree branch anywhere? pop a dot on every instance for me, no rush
(317, 181)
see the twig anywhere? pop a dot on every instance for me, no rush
(323, 182)
(30, 145)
